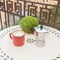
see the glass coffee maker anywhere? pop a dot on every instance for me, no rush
(40, 34)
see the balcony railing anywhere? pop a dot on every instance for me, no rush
(11, 12)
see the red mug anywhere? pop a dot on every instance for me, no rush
(18, 37)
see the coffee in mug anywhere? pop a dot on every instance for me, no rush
(18, 37)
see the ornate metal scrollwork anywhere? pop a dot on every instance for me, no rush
(45, 13)
(22, 8)
(32, 10)
(9, 6)
(18, 8)
(2, 6)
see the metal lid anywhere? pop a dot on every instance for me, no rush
(39, 29)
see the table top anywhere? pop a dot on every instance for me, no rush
(29, 51)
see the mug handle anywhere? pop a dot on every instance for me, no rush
(10, 35)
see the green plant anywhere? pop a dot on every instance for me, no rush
(53, 15)
(27, 23)
(58, 20)
(54, 10)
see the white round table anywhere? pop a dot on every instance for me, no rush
(29, 51)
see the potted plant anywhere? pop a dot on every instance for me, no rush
(28, 23)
